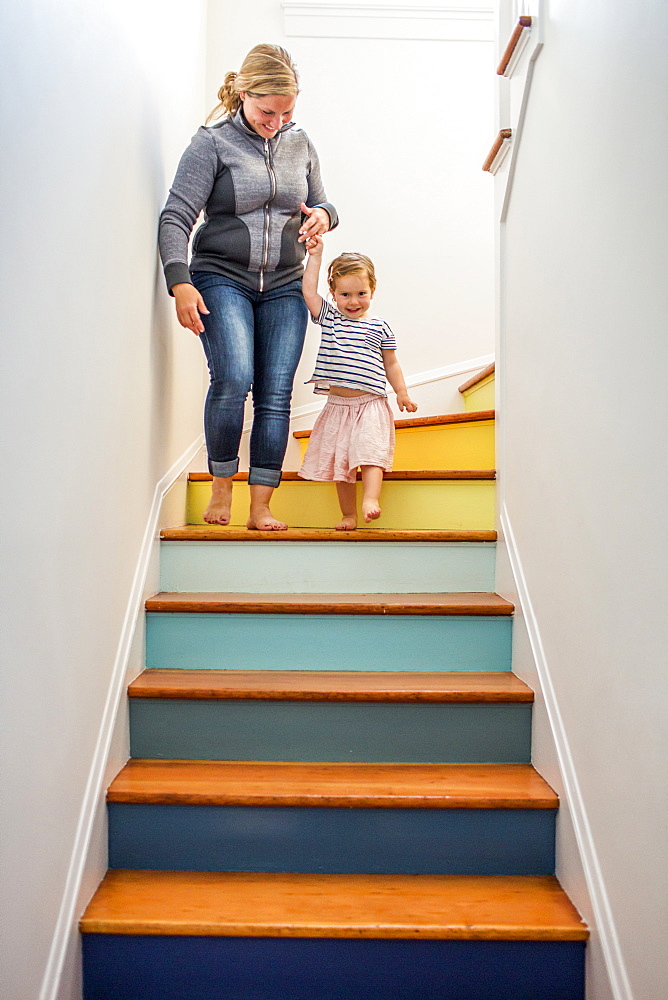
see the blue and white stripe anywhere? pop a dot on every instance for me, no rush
(351, 352)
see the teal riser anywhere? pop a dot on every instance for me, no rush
(328, 840)
(327, 642)
(330, 731)
(338, 567)
(124, 967)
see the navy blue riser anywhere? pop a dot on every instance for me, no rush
(330, 731)
(125, 967)
(327, 840)
(317, 642)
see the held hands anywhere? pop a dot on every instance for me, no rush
(315, 246)
(189, 305)
(316, 224)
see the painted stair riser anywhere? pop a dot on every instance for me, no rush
(327, 642)
(344, 568)
(343, 840)
(373, 732)
(125, 967)
(444, 446)
(407, 505)
(481, 396)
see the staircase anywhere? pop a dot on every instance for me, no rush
(330, 793)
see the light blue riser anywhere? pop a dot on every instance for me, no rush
(125, 967)
(327, 642)
(168, 729)
(332, 567)
(308, 839)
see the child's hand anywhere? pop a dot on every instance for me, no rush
(404, 402)
(315, 246)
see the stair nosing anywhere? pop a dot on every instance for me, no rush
(468, 604)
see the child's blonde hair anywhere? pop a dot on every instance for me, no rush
(351, 263)
(267, 69)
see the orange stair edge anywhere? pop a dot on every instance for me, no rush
(327, 685)
(470, 417)
(468, 604)
(480, 377)
(396, 475)
(331, 785)
(514, 908)
(229, 533)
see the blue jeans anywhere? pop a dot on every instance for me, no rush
(250, 339)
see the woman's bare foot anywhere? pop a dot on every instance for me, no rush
(218, 511)
(261, 519)
(370, 509)
(347, 523)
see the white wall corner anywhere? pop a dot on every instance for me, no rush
(89, 854)
(595, 906)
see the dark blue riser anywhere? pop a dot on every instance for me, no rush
(327, 642)
(120, 967)
(330, 731)
(307, 839)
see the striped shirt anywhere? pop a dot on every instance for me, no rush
(351, 352)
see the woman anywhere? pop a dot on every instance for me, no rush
(257, 178)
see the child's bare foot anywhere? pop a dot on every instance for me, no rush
(347, 523)
(218, 510)
(370, 510)
(261, 519)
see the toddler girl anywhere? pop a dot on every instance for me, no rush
(357, 354)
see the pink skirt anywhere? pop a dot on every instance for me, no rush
(349, 432)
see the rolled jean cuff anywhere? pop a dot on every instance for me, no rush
(224, 469)
(263, 477)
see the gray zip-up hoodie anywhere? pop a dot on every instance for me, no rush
(251, 190)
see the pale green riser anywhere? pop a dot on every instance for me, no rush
(327, 642)
(338, 567)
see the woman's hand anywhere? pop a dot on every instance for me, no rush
(189, 305)
(316, 224)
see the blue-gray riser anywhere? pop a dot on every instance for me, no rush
(330, 840)
(338, 567)
(192, 641)
(330, 731)
(126, 967)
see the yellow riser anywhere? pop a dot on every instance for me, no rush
(481, 396)
(455, 504)
(445, 446)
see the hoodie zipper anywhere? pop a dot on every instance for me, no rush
(272, 194)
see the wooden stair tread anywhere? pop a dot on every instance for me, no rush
(443, 475)
(344, 906)
(344, 785)
(474, 416)
(326, 685)
(480, 377)
(478, 604)
(228, 533)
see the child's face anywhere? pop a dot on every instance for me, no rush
(352, 295)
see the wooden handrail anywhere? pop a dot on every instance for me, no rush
(504, 134)
(524, 22)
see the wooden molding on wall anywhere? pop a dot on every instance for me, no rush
(502, 142)
(521, 31)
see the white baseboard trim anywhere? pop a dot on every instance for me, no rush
(421, 378)
(67, 916)
(604, 920)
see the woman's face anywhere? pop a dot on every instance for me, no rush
(266, 115)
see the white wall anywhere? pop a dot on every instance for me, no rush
(581, 373)
(101, 395)
(402, 129)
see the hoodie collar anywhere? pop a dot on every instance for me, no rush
(239, 119)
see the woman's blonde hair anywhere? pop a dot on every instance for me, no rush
(351, 263)
(267, 69)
